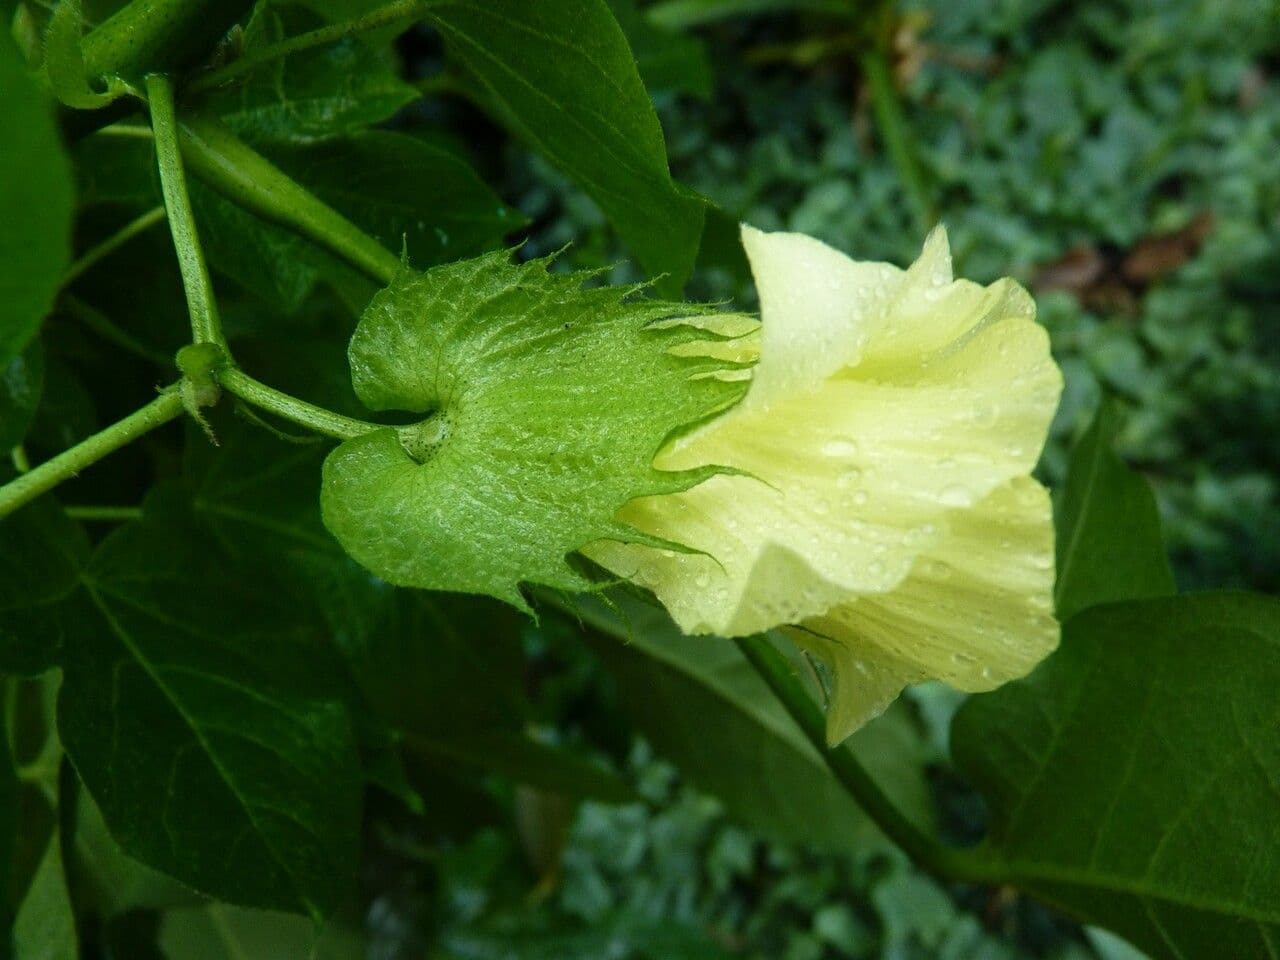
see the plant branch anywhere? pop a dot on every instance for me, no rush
(946, 862)
(235, 381)
(402, 10)
(52, 472)
(114, 242)
(205, 324)
(104, 514)
(248, 179)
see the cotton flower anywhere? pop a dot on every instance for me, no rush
(884, 515)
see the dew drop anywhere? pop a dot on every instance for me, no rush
(876, 568)
(840, 447)
(955, 496)
(860, 498)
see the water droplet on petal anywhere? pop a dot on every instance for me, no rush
(840, 447)
(955, 495)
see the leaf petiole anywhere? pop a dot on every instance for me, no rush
(206, 327)
(949, 863)
(238, 383)
(44, 477)
(118, 239)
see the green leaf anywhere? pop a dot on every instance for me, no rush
(404, 192)
(41, 555)
(21, 380)
(35, 206)
(45, 928)
(1109, 545)
(1133, 778)
(562, 76)
(221, 932)
(550, 403)
(321, 92)
(703, 706)
(212, 756)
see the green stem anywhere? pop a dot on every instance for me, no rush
(240, 384)
(19, 457)
(97, 321)
(52, 472)
(248, 179)
(946, 862)
(402, 10)
(114, 242)
(893, 129)
(205, 325)
(104, 514)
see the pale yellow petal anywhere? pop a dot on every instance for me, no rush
(975, 611)
(850, 478)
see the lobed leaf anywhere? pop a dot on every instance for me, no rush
(211, 755)
(549, 402)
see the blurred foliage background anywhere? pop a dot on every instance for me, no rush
(1119, 157)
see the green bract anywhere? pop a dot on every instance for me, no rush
(549, 402)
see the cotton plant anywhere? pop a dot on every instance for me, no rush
(222, 672)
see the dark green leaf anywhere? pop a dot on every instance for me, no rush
(681, 14)
(1134, 778)
(21, 380)
(221, 932)
(35, 205)
(404, 192)
(551, 402)
(563, 77)
(41, 555)
(704, 707)
(1109, 545)
(212, 756)
(321, 92)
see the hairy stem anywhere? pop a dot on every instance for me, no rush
(400, 11)
(118, 239)
(240, 384)
(248, 179)
(205, 324)
(942, 861)
(52, 472)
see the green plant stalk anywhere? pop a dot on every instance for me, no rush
(945, 862)
(46, 476)
(118, 239)
(238, 383)
(158, 35)
(400, 11)
(104, 514)
(206, 327)
(226, 163)
(893, 128)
